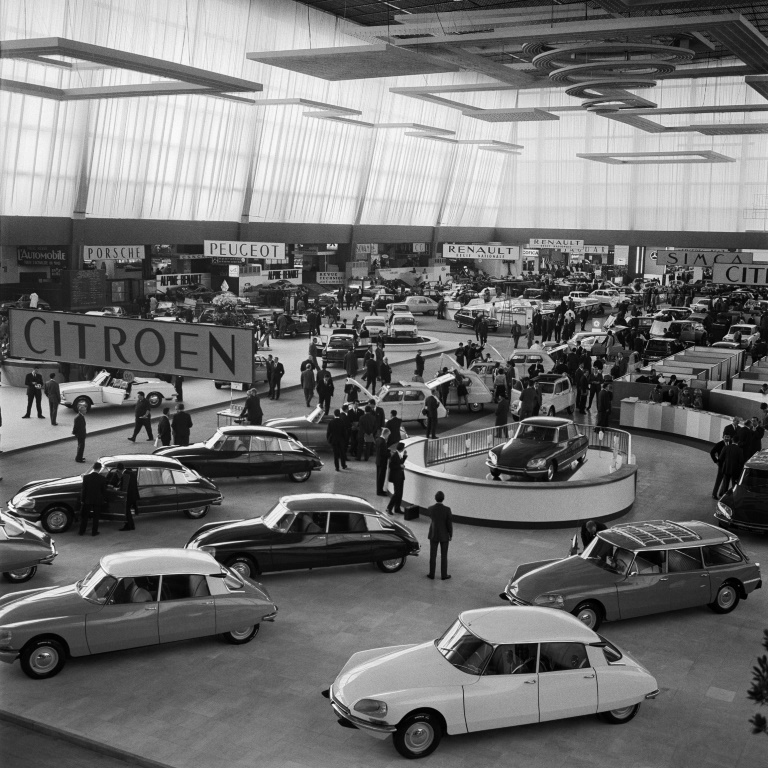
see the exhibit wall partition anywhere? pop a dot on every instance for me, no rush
(198, 158)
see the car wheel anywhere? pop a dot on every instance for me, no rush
(300, 477)
(244, 566)
(56, 519)
(619, 716)
(551, 471)
(726, 600)
(475, 407)
(418, 735)
(196, 512)
(43, 658)
(154, 399)
(391, 566)
(242, 635)
(590, 614)
(21, 575)
(86, 401)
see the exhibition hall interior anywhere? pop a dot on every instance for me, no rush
(383, 380)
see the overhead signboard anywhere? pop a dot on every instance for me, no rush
(546, 242)
(113, 252)
(183, 279)
(603, 250)
(244, 250)
(470, 251)
(740, 274)
(330, 278)
(42, 255)
(700, 258)
(202, 351)
(621, 255)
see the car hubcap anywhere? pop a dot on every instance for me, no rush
(20, 574)
(392, 564)
(587, 616)
(240, 634)
(197, 512)
(57, 520)
(242, 568)
(419, 736)
(44, 660)
(620, 714)
(726, 597)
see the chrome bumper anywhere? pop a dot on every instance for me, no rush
(652, 694)
(381, 730)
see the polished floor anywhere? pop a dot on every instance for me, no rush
(205, 704)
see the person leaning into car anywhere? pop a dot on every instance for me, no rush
(93, 497)
(440, 534)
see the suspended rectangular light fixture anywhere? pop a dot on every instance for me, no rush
(656, 158)
(725, 129)
(505, 115)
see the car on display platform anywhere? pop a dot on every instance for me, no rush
(486, 371)
(745, 334)
(23, 302)
(259, 374)
(334, 347)
(23, 547)
(294, 325)
(538, 448)
(605, 297)
(420, 305)
(130, 600)
(405, 397)
(373, 324)
(492, 668)
(745, 506)
(523, 359)
(106, 389)
(557, 395)
(465, 318)
(109, 312)
(589, 339)
(636, 569)
(659, 348)
(242, 450)
(164, 485)
(309, 531)
(688, 330)
(402, 326)
(377, 301)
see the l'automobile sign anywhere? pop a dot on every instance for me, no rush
(468, 251)
(203, 351)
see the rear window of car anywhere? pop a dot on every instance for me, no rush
(720, 554)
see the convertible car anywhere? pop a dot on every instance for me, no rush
(635, 569)
(236, 451)
(130, 599)
(492, 668)
(164, 484)
(538, 447)
(309, 531)
(106, 389)
(22, 548)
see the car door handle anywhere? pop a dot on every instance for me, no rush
(207, 602)
(321, 537)
(705, 575)
(530, 682)
(588, 676)
(366, 536)
(663, 578)
(150, 607)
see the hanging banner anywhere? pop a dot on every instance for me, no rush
(244, 250)
(700, 258)
(545, 242)
(113, 252)
(468, 251)
(330, 278)
(42, 255)
(738, 274)
(183, 279)
(208, 352)
(621, 255)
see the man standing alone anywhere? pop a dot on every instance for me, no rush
(34, 384)
(336, 435)
(181, 424)
(79, 431)
(440, 533)
(278, 371)
(142, 418)
(53, 393)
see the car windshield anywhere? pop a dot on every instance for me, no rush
(535, 433)
(279, 518)
(608, 556)
(755, 480)
(740, 328)
(11, 525)
(464, 650)
(101, 380)
(96, 586)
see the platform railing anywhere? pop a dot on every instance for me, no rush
(465, 444)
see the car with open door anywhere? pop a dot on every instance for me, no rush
(309, 531)
(491, 668)
(128, 600)
(106, 389)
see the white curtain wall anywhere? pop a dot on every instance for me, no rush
(192, 157)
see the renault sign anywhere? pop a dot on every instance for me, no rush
(202, 351)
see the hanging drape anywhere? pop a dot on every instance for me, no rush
(196, 157)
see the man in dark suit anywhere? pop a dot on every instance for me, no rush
(34, 384)
(142, 418)
(732, 462)
(589, 530)
(381, 452)
(79, 431)
(270, 366)
(93, 497)
(278, 371)
(130, 487)
(252, 409)
(181, 424)
(164, 427)
(397, 478)
(53, 393)
(431, 405)
(440, 534)
(393, 425)
(336, 435)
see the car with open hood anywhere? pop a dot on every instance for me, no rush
(128, 600)
(241, 450)
(405, 397)
(636, 569)
(23, 546)
(106, 389)
(492, 668)
(165, 485)
(538, 448)
(557, 395)
(317, 530)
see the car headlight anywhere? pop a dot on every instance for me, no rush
(23, 502)
(536, 464)
(512, 588)
(371, 707)
(724, 510)
(549, 600)
(493, 458)
(5, 638)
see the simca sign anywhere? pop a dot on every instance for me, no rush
(740, 274)
(113, 252)
(700, 258)
(204, 351)
(235, 249)
(467, 251)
